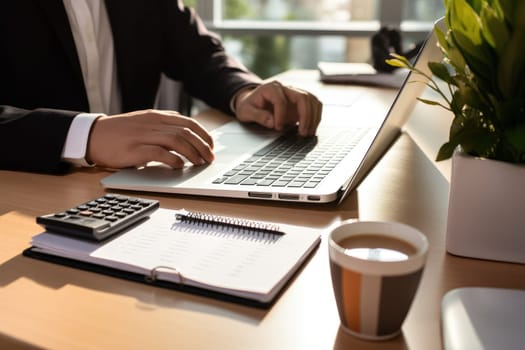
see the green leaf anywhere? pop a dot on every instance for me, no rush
(516, 137)
(446, 151)
(466, 34)
(429, 102)
(464, 19)
(460, 79)
(457, 125)
(457, 103)
(511, 68)
(441, 38)
(454, 56)
(511, 65)
(401, 59)
(396, 63)
(510, 112)
(441, 71)
(478, 56)
(508, 7)
(494, 28)
(476, 5)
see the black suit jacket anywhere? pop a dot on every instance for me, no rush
(41, 84)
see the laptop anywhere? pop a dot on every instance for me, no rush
(351, 138)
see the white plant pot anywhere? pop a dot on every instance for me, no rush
(486, 217)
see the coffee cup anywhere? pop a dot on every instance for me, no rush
(376, 268)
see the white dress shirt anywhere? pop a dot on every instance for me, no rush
(91, 30)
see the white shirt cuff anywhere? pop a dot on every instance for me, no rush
(75, 146)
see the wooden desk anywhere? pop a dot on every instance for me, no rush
(51, 306)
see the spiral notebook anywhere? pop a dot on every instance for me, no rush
(229, 258)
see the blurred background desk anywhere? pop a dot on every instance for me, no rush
(50, 306)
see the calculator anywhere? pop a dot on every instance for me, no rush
(99, 218)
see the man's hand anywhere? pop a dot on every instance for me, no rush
(278, 107)
(136, 138)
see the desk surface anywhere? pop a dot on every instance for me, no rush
(51, 306)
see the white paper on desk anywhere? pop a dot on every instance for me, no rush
(202, 256)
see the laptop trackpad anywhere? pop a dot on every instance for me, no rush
(234, 139)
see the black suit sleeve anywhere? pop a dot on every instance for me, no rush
(163, 36)
(33, 140)
(198, 58)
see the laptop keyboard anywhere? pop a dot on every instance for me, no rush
(293, 161)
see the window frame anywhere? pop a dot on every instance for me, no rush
(390, 14)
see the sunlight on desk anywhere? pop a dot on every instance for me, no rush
(46, 305)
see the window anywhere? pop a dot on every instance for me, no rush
(270, 36)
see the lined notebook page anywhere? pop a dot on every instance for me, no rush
(206, 256)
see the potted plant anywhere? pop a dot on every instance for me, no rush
(481, 80)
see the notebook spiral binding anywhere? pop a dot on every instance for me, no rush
(229, 225)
